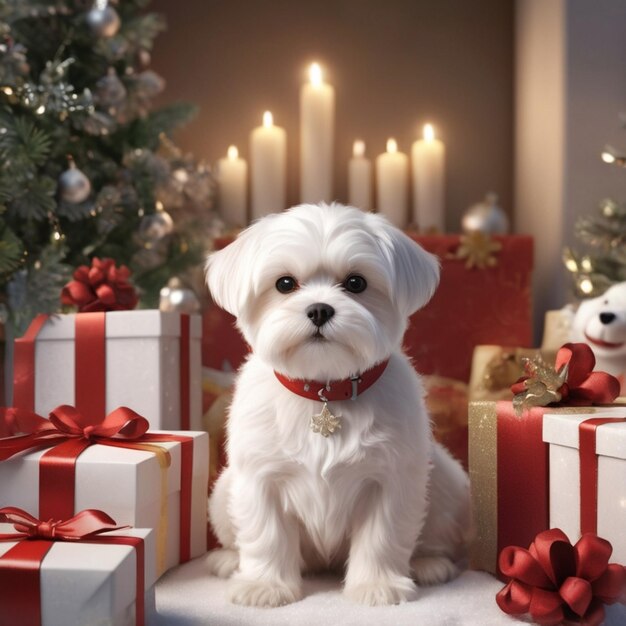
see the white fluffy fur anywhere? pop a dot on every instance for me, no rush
(588, 327)
(378, 497)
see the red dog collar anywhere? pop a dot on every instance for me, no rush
(335, 390)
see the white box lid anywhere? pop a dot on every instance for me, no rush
(562, 429)
(141, 323)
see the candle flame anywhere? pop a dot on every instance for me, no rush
(429, 132)
(392, 145)
(358, 148)
(232, 153)
(607, 157)
(268, 119)
(315, 74)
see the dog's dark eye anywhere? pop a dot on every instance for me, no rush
(286, 284)
(355, 283)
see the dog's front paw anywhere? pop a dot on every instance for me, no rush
(222, 562)
(432, 570)
(262, 593)
(379, 593)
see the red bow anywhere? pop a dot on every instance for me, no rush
(555, 581)
(101, 287)
(65, 422)
(83, 525)
(571, 381)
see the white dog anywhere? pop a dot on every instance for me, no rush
(601, 323)
(331, 462)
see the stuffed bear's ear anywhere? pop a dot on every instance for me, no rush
(415, 271)
(229, 271)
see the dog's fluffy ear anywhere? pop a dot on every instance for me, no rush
(416, 272)
(229, 271)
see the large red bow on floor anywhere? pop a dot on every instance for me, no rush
(570, 381)
(65, 423)
(555, 581)
(83, 525)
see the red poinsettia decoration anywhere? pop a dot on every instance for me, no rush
(555, 581)
(570, 381)
(101, 287)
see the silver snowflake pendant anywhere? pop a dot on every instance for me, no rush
(325, 423)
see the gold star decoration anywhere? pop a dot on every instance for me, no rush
(478, 250)
(325, 423)
(543, 385)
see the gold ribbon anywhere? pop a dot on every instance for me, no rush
(483, 471)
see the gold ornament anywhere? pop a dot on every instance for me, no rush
(325, 423)
(478, 250)
(543, 385)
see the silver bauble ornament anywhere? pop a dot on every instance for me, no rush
(103, 19)
(110, 90)
(176, 297)
(486, 217)
(74, 186)
(156, 226)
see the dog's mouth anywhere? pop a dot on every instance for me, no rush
(603, 344)
(317, 336)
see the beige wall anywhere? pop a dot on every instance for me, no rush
(395, 65)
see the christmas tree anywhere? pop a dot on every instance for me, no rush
(603, 263)
(89, 168)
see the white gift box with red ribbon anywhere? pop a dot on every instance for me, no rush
(588, 475)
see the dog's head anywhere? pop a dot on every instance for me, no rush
(601, 322)
(322, 292)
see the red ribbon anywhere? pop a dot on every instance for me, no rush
(185, 417)
(522, 477)
(583, 386)
(69, 433)
(589, 471)
(20, 592)
(555, 581)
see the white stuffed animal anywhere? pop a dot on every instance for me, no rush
(601, 323)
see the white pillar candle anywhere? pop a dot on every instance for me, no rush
(268, 160)
(391, 184)
(360, 178)
(428, 156)
(232, 176)
(317, 127)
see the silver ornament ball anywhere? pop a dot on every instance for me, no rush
(103, 20)
(486, 217)
(74, 186)
(110, 90)
(156, 226)
(176, 297)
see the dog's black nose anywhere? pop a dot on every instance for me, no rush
(319, 313)
(607, 318)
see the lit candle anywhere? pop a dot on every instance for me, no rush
(232, 175)
(428, 156)
(268, 160)
(317, 121)
(391, 184)
(360, 178)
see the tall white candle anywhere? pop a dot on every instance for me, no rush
(268, 161)
(232, 176)
(428, 156)
(391, 184)
(360, 178)
(317, 127)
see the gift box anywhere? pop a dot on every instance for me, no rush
(156, 480)
(588, 475)
(510, 474)
(149, 360)
(76, 582)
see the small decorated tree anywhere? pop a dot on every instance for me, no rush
(88, 166)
